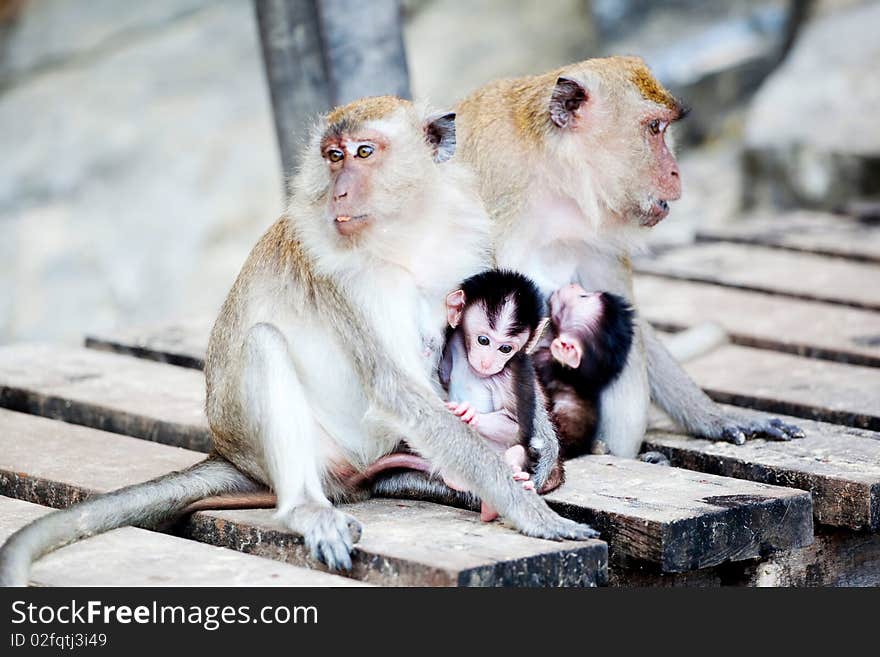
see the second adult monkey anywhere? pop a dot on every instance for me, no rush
(574, 168)
(338, 313)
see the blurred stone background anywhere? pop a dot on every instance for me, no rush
(138, 162)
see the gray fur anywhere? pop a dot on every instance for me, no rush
(692, 409)
(449, 444)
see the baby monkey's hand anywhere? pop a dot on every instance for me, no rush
(465, 412)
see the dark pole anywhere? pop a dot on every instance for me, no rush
(363, 48)
(322, 53)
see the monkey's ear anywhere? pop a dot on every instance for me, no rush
(454, 307)
(566, 352)
(440, 135)
(536, 338)
(568, 95)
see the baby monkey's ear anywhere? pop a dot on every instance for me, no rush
(567, 352)
(454, 307)
(536, 338)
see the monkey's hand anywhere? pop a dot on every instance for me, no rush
(464, 411)
(735, 428)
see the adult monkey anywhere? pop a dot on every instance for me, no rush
(337, 315)
(573, 167)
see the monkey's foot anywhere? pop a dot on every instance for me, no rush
(657, 458)
(329, 533)
(735, 430)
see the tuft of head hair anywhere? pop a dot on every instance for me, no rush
(648, 86)
(495, 288)
(608, 345)
(355, 114)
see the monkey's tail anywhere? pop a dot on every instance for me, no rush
(414, 485)
(145, 505)
(696, 341)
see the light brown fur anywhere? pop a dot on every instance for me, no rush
(572, 188)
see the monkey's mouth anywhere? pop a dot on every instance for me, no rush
(351, 225)
(658, 211)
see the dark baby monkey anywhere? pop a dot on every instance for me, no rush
(583, 353)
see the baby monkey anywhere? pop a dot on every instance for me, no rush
(589, 342)
(494, 321)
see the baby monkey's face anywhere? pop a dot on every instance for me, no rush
(573, 309)
(490, 348)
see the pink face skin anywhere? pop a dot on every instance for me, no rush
(352, 159)
(572, 309)
(489, 349)
(666, 179)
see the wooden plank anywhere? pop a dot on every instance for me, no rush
(681, 520)
(837, 557)
(136, 557)
(788, 384)
(806, 231)
(762, 269)
(45, 462)
(762, 518)
(411, 543)
(840, 466)
(766, 321)
(405, 543)
(106, 391)
(182, 343)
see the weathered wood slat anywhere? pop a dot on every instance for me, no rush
(107, 391)
(788, 384)
(672, 514)
(405, 543)
(840, 466)
(411, 543)
(182, 343)
(837, 557)
(136, 557)
(803, 230)
(678, 519)
(56, 463)
(798, 275)
(753, 319)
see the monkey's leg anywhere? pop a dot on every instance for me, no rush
(290, 438)
(692, 409)
(148, 504)
(624, 409)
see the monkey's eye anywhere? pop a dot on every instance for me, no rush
(335, 155)
(505, 349)
(364, 151)
(657, 126)
(483, 340)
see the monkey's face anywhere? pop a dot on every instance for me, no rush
(574, 310)
(614, 117)
(377, 165)
(489, 348)
(354, 161)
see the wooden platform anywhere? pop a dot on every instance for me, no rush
(800, 300)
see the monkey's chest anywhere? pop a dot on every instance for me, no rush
(485, 394)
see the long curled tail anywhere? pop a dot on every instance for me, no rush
(146, 504)
(414, 485)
